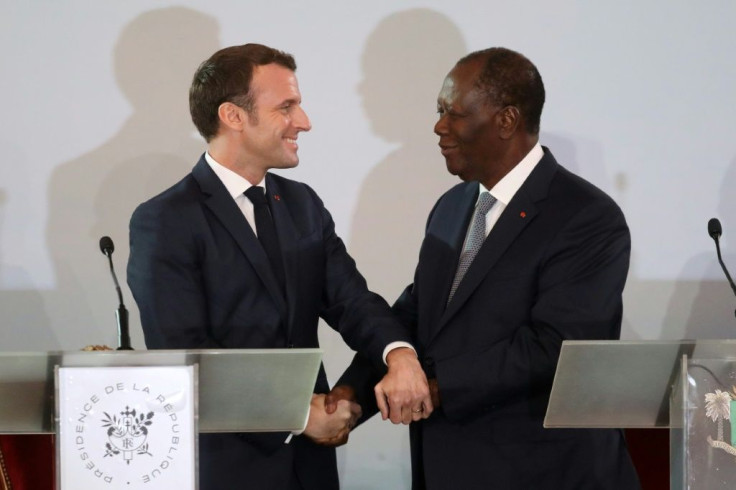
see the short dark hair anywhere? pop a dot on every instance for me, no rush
(226, 77)
(509, 78)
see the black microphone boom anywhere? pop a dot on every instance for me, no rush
(121, 314)
(715, 231)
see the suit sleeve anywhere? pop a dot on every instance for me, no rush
(578, 296)
(363, 375)
(165, 277)
(363, 318)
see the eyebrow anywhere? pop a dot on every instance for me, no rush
(290, 100)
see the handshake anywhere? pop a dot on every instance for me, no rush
(403, 396)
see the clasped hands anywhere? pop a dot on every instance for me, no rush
(331, 427)
(403, 396)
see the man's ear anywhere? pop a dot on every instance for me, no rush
(508, 120)
(231, 116)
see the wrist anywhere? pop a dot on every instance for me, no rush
(400, 353)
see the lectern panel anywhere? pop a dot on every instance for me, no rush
(622, 384)
(239, 390)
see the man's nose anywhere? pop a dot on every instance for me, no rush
(440, 127)
(301, 121)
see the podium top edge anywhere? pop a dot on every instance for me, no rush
(683, 342)
(138, 356)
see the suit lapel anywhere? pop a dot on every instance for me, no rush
(503, 234)
(222, 205)
(519, 213)
(448, 224)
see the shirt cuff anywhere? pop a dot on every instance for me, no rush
(396, 345)
(300, 431)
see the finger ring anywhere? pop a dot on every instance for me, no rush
(420, 410)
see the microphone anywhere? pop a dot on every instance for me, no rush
(121, 314)
(715, 231)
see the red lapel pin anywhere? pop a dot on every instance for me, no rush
(522, 214)
(277, 197)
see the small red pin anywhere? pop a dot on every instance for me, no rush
(522, 214)
(277, 197)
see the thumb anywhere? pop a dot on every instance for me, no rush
(331, 403)
(356, 410)
(340, 392)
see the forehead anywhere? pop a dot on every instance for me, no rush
(274, 83)
(460, 82)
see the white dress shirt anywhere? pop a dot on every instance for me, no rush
(236, 186)
(508, 186)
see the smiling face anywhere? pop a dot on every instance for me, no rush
(270, 131)
(470, 127)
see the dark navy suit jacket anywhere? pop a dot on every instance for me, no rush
(202, 280)
(552, 268)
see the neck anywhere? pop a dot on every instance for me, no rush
(518, 148)
(230, 156)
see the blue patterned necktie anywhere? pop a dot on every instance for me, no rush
(474, 241)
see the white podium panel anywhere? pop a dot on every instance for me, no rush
(126, 428)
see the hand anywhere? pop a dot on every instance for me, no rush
(403, 394)
(331, 429)
(341, 392)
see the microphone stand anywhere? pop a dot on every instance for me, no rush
(121, 314)
(723, 266)
(714, 230)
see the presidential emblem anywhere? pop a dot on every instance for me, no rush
(128, 434)
(718, 407)
(126, 428)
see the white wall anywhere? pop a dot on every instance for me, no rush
(94, 120)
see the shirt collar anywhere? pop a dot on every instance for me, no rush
(234, 183)
(506, 188)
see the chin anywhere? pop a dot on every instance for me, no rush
(453, 169)
(288, 163)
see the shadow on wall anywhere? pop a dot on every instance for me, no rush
(405, 60)
(683, 308)
(94, 195)
(704, 309)
(24, 323)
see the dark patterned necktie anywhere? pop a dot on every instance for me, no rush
(266, 232)
(474, 241)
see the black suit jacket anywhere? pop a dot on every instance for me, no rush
(202, 280)
(552, 268)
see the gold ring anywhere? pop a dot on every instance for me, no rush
(418, 411)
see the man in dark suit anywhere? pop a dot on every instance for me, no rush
(216, 261)
(516, 259)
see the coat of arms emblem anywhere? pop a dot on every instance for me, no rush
(719, 407)
(127, 434)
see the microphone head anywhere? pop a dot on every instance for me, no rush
(714, 228)
(107, 247)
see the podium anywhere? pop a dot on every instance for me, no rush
(248, 390)
(687, 386)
